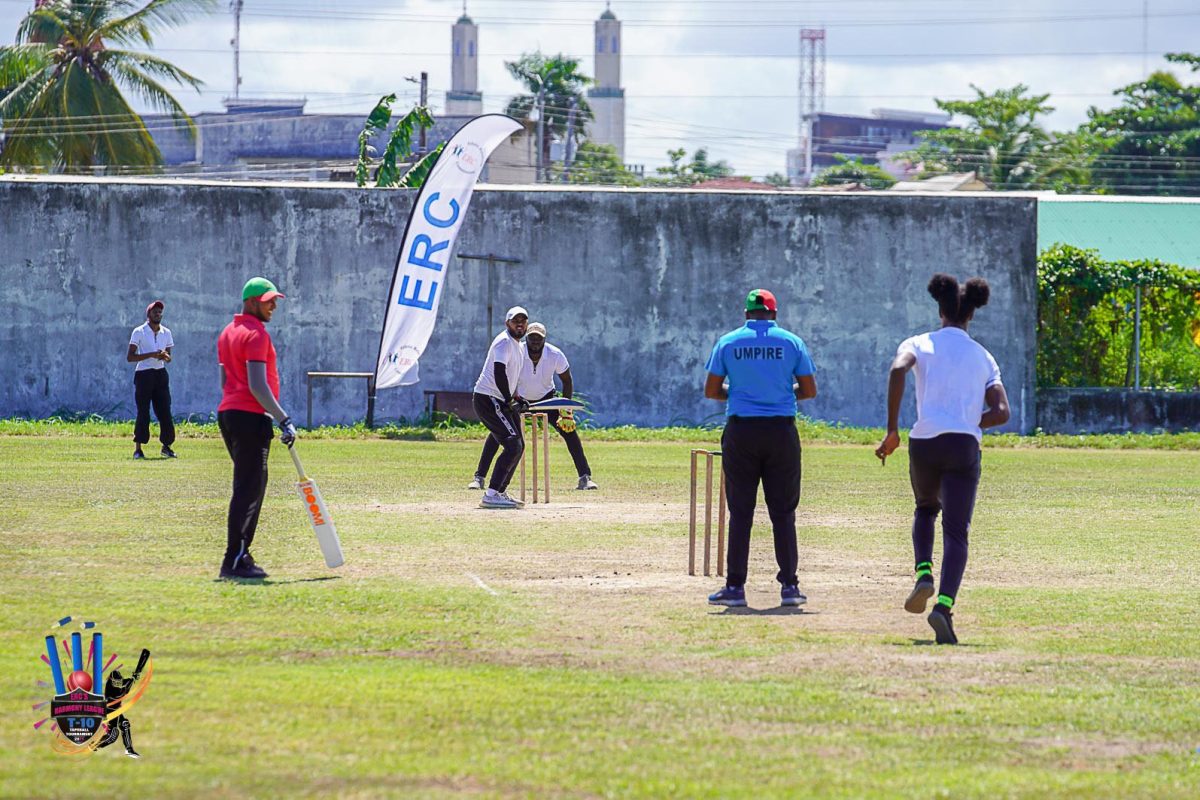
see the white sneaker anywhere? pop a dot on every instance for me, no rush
(507, 496)
(586, 482)
(497, 501)
(476, 482)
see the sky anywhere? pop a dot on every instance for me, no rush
(718, 74)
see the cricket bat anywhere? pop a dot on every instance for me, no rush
(557, 404)
(318, 515)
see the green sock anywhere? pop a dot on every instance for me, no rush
(924, 568)
(946, 600)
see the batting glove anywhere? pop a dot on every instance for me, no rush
(566, 420)
(287, 431)
(519, 405)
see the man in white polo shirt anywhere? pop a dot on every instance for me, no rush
(542, 363)
(150, 348)
(499, 405)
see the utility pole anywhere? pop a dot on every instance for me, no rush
(492, 259)
(541, 127)
(424, 83)
(425, 104)
(569, 155)
(236, 41)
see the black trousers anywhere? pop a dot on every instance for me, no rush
(247, 437)
(944, 472)
(574, 446)
(766, 450)
(503, 424)
(153, 387)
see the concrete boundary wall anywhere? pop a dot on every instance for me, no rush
(635, 285)
(1117, 411)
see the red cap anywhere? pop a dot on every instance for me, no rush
(158, 303)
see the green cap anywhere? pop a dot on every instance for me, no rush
(760, 300)
(260, 289)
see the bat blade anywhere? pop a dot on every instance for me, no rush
(557, 404)
(141, 665)
(322, 522)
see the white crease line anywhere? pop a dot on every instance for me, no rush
(481, 584)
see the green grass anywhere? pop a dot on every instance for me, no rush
(456, 430)
(596, 669)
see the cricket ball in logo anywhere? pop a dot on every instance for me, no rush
(86, 711)
(468, 157)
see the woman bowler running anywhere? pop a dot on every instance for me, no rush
(958, 394)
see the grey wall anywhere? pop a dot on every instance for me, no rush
(1117, 411)
(634, 285)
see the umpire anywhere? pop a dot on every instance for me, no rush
(760, 360)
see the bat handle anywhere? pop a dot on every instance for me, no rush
(296, 461)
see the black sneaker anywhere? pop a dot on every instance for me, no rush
(168, 452)
(922, 591)
(942, 624)
(790, 595)
(245, 569)
(129, 751)
(249, 565)
(732, 596)
(138, 455)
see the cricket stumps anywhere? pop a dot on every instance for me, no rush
(535, 420)
(709, 456)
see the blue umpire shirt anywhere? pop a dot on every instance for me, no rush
(760, 359)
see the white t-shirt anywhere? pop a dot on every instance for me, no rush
(147, 341)
(509, 352)
(537, 380)
(953, 372)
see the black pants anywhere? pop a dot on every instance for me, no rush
(247, 437)
(153, 387)
(765, 449)
(945, 476)
(574, 446)
(503, 424)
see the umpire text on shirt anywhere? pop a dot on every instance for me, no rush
(768, 369)
(150, 348)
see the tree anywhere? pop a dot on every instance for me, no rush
(1150, 143)
(65, 109)
(561, 84)
(689, 173)
(398, 149)
(853, 170)
(1003, 142)
(600, 163)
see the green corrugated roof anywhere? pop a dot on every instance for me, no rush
(1124, 229)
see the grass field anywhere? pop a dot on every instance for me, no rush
(562, 651)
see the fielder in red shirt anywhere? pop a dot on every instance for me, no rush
(249, 401)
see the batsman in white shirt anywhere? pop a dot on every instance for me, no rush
(499, 405)
(536, 383)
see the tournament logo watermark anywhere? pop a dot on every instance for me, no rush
(88, 707)
(469, 157)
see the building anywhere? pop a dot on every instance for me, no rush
(464, 97)
(276, 139)
(949, 182)
(875, 140)
(607, 98)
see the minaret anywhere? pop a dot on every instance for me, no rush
(607, 98)
(464, 97)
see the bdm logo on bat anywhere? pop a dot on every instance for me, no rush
(88, 710)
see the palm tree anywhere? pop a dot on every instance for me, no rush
(62, 106)
(562, 84)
